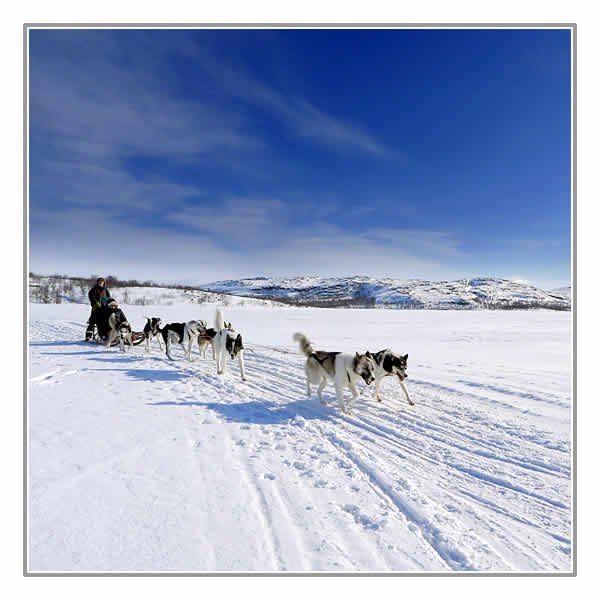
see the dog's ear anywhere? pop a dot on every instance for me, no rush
(405, 357)
(239, 344)
(368, 354)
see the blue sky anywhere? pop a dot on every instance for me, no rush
(199, 155)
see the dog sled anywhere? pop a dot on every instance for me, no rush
(137, 337)
(99, 328)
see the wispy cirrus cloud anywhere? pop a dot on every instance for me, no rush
(243, 218)
(297, 113)
(95, 106)
(195, 256)
(425, 242)
(110, 188)
(119, 112)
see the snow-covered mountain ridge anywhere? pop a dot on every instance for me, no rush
(481, 292)
(359, 291)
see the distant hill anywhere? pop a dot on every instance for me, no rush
(481, 292)
(331, 292)
(564, 292)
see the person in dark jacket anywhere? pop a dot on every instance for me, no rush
(97, 296)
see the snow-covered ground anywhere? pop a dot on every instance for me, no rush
(139, 463)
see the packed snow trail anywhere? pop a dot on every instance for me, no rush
(139, 463)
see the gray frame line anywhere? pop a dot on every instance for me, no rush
(25, 297)
(307, 25)
(571, 26)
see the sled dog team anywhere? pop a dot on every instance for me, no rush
(345, 370)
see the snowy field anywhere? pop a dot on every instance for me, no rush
(139, 463)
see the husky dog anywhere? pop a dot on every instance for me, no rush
(345, 370)
(388, 364)
(227, 345)
(206, 338)
(181, 333)
(118, 328)
(152, 330)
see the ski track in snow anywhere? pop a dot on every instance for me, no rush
(141, 463)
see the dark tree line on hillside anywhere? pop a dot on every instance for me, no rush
(112, 281)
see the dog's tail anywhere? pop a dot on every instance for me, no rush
(219, 320)
(305, 345)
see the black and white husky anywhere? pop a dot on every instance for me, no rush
(181, 333)
(388, 364)
(228, 344)
(119, 329)
(345, 370)
(152, 330)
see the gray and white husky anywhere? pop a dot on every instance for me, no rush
(389, 363)
(120, 330)
(227, 345)
(345, 370)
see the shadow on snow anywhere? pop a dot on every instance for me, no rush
(263, 412)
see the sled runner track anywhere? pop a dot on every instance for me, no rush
(453, 480)
(451, 557)
(496, 508)
(487, 448)
(445, 413)
(369, 470)
(410, 422)
(457, 478)
(410, 419)
(517, 437)
(495, 481)
(409, 446)
(254, 475)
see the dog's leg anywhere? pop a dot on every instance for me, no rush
(168, 348)
(406, 393)
(220, 357)
(121, 344)
(307, 380)
(159, 342)
(148, 343)
(339, 393)
(340, 380)
(377, 382)
(320, 390)
(189, 349)
(355, 394)
(109, 338)
(241, 361)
